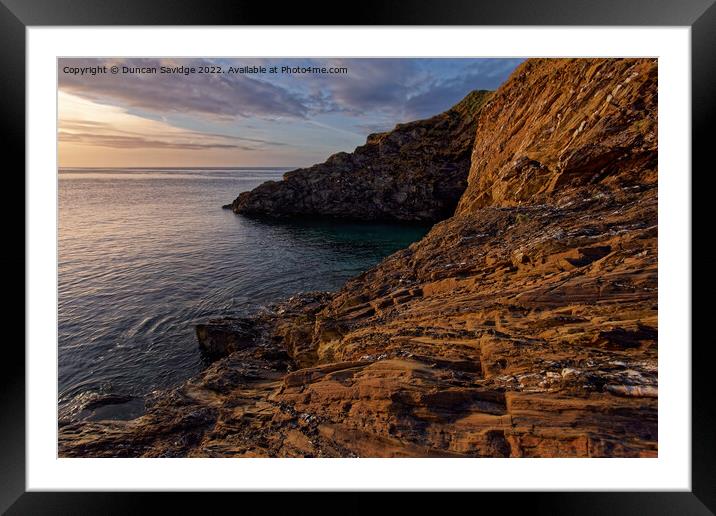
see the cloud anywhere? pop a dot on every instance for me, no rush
(209, 94)
(133, 118)
(84, 122)
(385, 87)
(399, 89)
(118, 141)
(372, 84)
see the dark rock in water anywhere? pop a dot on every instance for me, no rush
(118, 408)
(223, 336)
(92, 405)
(414, 173)
(107, 399)
(220, 337)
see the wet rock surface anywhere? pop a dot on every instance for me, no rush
(414, 173)
(523, 326)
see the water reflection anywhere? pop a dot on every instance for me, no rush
(145, 255)
(342, 236)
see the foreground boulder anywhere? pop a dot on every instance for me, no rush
(526, 325)
(221, 337)
(414, 173)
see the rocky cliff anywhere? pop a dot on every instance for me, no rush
(524, 325)
(586, 122)
(414, 173)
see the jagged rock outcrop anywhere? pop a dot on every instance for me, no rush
(589, 121)
(525, 325)
(414, 173)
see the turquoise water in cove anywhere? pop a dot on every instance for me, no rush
(145, 254)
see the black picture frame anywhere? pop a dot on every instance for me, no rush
(17, 15)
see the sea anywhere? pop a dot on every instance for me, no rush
(145, 254)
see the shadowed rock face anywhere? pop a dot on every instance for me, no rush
(525, 325)
(414, 173)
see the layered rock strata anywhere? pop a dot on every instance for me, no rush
(523, 326)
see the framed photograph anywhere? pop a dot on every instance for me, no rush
(435, 248)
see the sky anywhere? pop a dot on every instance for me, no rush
(140, 118)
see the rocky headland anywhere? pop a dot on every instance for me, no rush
(522, 325)
(414, 173)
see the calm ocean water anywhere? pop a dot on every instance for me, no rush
(144, 254)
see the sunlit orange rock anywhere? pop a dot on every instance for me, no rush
(523, 326)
